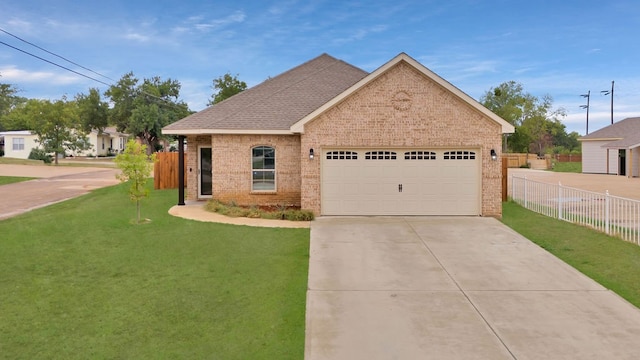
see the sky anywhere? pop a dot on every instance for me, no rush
(560, 48)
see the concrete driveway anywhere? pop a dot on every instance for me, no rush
(53, 184)
(453, 288)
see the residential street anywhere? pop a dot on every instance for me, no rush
(53, 184)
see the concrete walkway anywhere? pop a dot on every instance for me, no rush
(194, 210)
(53, 184)
(453, 288)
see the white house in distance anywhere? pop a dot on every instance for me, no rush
(18, 144)
(614, 149)
(108, 142)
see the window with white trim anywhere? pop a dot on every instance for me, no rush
(459, 155)
(419, 155)
(263, 168)
(342, 155)
(18, 144)
(380, 155)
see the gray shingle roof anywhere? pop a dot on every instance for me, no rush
(277, 103)
(620, 130)
(630, 141)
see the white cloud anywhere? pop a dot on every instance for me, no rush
(359, 34)
(199, 23)
(137, 37)
(11, 74)
(19, 26)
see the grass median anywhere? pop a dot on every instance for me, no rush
(610, 261)
(4, 180)
(80, 281)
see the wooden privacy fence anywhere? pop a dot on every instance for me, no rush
(165, 171)
(516, 160)
(568, 157)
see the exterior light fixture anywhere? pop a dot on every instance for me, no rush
(494, 156)
(311, 154)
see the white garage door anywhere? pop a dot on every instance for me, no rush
(400, 182)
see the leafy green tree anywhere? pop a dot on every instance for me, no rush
(9, 100)
(122, 95)
(143, 109)
(136, 167)
(55, 124)
(225, 87)
(534, 118)
(93, 113)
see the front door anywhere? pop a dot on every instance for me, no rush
(622, 162)
(205, 172)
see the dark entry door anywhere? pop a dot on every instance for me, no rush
(622, 163)
(205, 170)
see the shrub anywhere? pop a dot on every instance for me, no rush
(279, 213)
(39, 154)
(1, 153)
(298, 215)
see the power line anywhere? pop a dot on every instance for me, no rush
(52, 63)
(54, 54)
(166, 101)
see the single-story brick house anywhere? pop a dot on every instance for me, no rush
(334, 139)
(614, 149)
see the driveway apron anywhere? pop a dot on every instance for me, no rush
(454, 288)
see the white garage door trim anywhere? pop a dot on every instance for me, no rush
(400, 181)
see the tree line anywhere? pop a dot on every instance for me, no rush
(142, 107)
(139, 107)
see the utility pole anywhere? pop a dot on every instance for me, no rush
(588, 96)
(607, 92)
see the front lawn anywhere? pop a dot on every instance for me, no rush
(573, 167)
(13, 179)
(610, 261)
(79, 281)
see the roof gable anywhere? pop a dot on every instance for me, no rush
(276, 104)
(298, 127)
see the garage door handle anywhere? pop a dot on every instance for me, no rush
(399, 187)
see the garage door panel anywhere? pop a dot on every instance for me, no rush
(434, 182)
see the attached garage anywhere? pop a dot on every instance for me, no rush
(401, 182)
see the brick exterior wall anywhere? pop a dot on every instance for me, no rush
(232, 163)
(403, 109)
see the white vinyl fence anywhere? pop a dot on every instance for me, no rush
(610, 214)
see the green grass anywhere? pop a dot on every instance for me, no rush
(13, 179)
(573, 167)
(612, 262)
(14, 161)
(79, 281)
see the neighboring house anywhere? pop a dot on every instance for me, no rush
(334, 139)
(104, 143)
(18, 144)
(614, 149)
